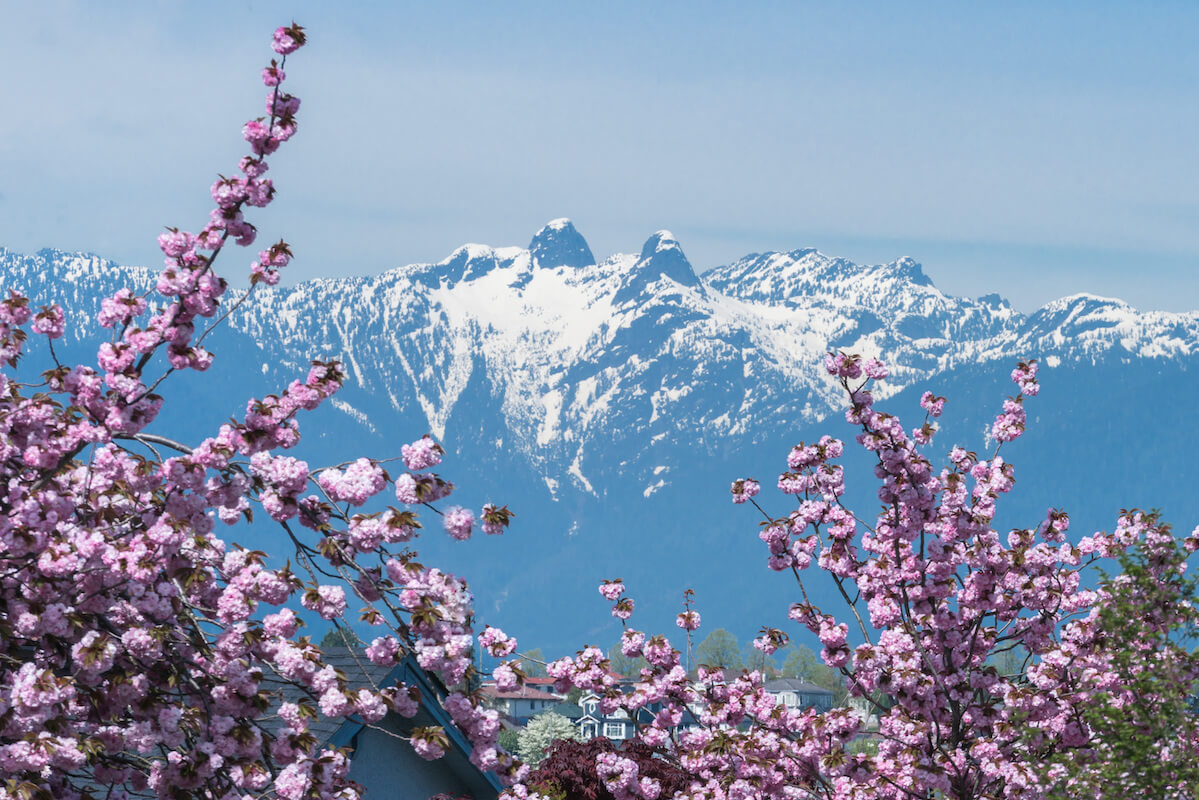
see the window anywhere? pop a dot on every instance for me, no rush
(590, 706)
(614, 730)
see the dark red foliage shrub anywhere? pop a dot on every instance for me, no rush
(568, 771)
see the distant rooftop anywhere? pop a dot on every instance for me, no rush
(795, 685)
(523, 693)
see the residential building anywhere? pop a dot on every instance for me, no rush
(797, 693)
(591, 721)
(385, 765)
(524, 703)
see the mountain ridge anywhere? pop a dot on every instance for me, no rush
(572, 347)
(610, 405)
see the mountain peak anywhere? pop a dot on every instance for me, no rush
(1082, 314)
(466, 262)
(658, 242)
(1087, 300)
(994, 300)
(910, 268)
(558, 244)
(663, 255)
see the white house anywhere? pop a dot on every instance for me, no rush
(523, 703)
(796, 693)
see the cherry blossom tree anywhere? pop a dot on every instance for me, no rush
(139, 653)
(932, 594)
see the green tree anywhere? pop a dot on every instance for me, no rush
(719, 649)
(542, 731)
(753, 658)
(340, 636)
(801, 662)
(533, 663)
(509, 739)
(1144, 725)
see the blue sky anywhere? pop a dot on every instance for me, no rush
(1014, 148)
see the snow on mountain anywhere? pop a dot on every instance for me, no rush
(1087, 325)
(621, 370)
(610, 403)
(603, 370)
(74, 280)
(558, 244)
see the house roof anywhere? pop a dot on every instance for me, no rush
(795, 685)
(522, 693)
(569, 710)
(361, 672)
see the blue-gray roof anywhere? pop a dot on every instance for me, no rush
(795, 685)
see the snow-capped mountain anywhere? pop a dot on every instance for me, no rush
(603, 371)
(609, 400)
(636, 350)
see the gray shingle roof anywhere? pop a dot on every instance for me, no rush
(360, 672)
(569, 710)
(795, 685)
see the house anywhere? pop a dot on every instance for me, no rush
(592, 722)
(383, 764)
(796, 693)
(525, 702)
(617, 726)
(545, 685)
(386, 766)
